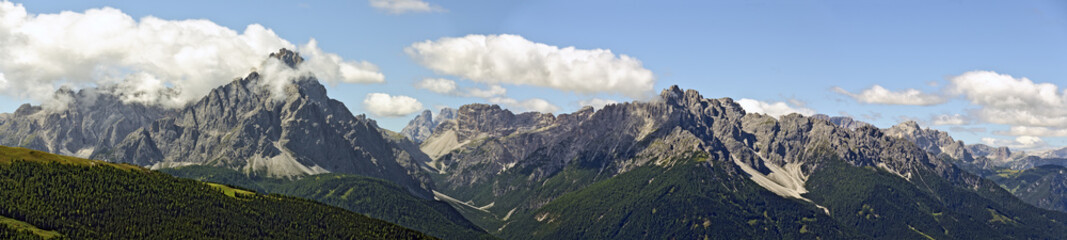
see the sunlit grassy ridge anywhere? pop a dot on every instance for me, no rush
(20, 226)
(84, 199)
(11, 154)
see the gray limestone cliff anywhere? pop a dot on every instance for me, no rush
(422, 126)
(78, 123)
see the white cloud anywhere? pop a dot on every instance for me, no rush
(533, 104)
(773, 109)
(384, 105)
(494, 90)
(405, 6)
(1034, 131)
(945, 119)
(1014, 101)
(1020, 143)
(880, 95)
(597, 103)
(511, 59)
(437, 85)
(448, 87)
(331, 68)
(150, 60)
(972, 130)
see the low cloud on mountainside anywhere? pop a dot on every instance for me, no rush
(880, 95)
(1030, 110)
(150, 60)
(774, 109)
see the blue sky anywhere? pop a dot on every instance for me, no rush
(795, 52)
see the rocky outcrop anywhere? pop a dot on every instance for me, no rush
(932, 141)
(419, 128)
(1055, 153)
(996, 154)
(444, 115)
(245, 126)
(422, 126)
(845, 122)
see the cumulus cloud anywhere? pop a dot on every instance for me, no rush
(1020, 143)
(880, 95)
(945, 119)
(533, 104)
(384, 105)
(405, 6)
(597, 103)
(437, 85)
(449, 87)
(332, 68)
(492, 91)
(494, 94)
(148, 60)
(511, 59)
(774, 109)
(1009, 100)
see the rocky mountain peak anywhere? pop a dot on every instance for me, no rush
(285, 128)
(672, 94)
(419, 128)
(288, 57)
(842, 121)
(908, 126)
(26, 109)
(444, 115)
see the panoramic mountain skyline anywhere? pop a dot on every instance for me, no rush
(986, 72)
(410, 119)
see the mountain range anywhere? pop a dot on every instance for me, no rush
(677, 166)
(541, 175)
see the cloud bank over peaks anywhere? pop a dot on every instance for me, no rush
(1009, 100)
(533, 104)
(449, 87)
(1026, 143)
(494, 94)
(597, 103)
(512, 59)
(774, 109)
(150, 60)
(880, 95)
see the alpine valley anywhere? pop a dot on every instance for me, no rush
(250, 161)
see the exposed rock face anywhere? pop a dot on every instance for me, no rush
(998, 154)
(92, 119)
(444, 115)
(933, 141)
(243, 126)
(420, 128)
(845, 122)
(1057, 153)
(486, 146)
